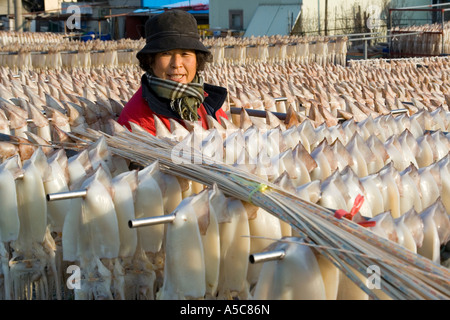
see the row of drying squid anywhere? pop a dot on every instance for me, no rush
(334, 153)
(69, 54)
(304, 50)
(429, 39)
(323, 94)
(10, 37)
(432, 146)
(199, 255)
(327, 94)
(300, 49)
(41, 55)
(394, 163)
(36, 103)
(45, 237)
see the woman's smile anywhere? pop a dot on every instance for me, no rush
(176, 77)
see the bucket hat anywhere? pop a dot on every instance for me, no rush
(173, 29)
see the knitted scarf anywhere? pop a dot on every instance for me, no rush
(185, 98)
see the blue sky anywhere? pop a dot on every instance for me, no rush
(168, 3)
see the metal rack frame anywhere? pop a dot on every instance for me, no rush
(429, 8)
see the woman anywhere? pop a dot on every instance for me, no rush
(172, 86)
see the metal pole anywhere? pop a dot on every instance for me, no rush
(66, 195)
(267, 256)
(318, 16)
(353, 34)
(144, 222)
(10, 11)
(442, 35)
(257, 113)
(282, 116)
(365, 49)
(426, 6)
(390, 28)
(391, 36)
(18, 15)
(398, 111)
(111, 25)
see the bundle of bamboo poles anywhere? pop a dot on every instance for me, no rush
(349, 246)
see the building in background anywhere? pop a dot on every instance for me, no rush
(108, 19)
(116, 19)
(43, 15)
(9, 7)
(331, 17)
(314, 17)
(254, 17)
(134, 21)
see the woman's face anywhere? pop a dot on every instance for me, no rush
(178, 65)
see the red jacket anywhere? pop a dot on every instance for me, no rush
(145, 104)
